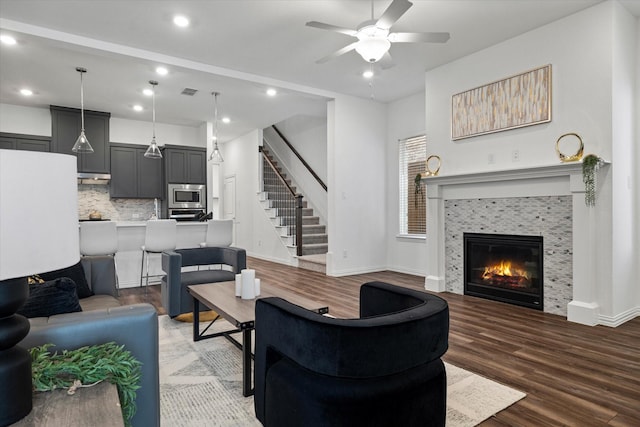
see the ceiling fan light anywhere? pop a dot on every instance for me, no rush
(372, 49)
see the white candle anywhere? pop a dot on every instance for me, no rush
(238, 285)
(257, 287)
(248, 284)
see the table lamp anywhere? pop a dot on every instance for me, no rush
(38, 233)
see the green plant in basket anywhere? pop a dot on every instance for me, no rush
(87, 366)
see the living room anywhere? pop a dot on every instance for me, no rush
(594, 54)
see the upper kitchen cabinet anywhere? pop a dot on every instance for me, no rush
(133, 175)
(65, 128)
(16, 141)
(185, 165)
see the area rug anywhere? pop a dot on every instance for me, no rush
(201, 384)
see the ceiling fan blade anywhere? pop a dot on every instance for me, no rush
(323, 26)
(395, 10)
(419, 37)
(386, 61)
(337, 53)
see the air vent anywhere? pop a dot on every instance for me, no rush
(188, 91)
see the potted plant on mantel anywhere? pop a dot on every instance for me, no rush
(590, 165)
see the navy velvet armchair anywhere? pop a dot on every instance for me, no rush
(382, 369)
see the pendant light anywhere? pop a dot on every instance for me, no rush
(216, 156)
(82, 143)
(153, 152)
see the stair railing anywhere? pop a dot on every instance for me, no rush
(288, 202)
(306, 165)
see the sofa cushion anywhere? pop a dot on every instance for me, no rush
(98, 302)
(75, 273)
(188, 278)
(51, 297)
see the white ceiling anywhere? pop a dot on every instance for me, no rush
(237, 48)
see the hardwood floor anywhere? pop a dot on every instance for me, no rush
(573, 375)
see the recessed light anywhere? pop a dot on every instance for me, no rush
(147, 92)
(162, 71)
(367, 74)
(26, 92)
(226, 120)
(272, 92)
(137, 107)
(7, 39)
(181, 21)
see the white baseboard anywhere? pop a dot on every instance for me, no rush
(293, 262)
(619, 319)
(353, 272)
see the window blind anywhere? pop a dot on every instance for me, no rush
(412, 154)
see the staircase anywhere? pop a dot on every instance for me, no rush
(277, 205)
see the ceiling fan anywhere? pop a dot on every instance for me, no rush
(374, 36)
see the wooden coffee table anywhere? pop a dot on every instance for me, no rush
(221, 297)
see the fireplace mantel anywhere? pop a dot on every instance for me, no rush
(555, 170)
(548, 180)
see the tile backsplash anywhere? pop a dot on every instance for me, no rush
(96, 197)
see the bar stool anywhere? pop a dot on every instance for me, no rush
(100, 238)
(219, 233)
(160, 235)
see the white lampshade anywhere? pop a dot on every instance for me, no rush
(38, 213)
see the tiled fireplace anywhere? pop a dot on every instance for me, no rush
(543, 203)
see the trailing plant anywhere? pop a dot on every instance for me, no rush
(590, 165)
(89, 366)
(417, 185)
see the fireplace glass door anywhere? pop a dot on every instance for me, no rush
(505, 268)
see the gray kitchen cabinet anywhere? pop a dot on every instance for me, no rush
(65, 128)
(185, 165)
(133, 175)
(16, 141)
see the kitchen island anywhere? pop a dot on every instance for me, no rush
(131, 238)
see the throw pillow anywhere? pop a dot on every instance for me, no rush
(75, 273)
(53, 297)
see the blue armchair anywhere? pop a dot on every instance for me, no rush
(175, 298)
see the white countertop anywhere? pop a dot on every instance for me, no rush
(144, 223)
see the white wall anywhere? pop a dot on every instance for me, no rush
(357, 182)
(140, 132)
(26, 120)
(37, 121)
(405, 118)
(254, 232)
(637, 154)
(592, 56)
(308, 135)
(624, 272)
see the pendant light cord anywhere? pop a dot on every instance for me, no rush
(215, 117)
(82, 101)
(153, 107)
(153, 84)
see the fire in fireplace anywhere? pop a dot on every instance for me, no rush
(505, 268)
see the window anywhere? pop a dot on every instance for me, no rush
(412, 153)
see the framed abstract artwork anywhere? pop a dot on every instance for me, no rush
(513, 102)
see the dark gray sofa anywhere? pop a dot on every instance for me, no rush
(104, 320)
(175, 298)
